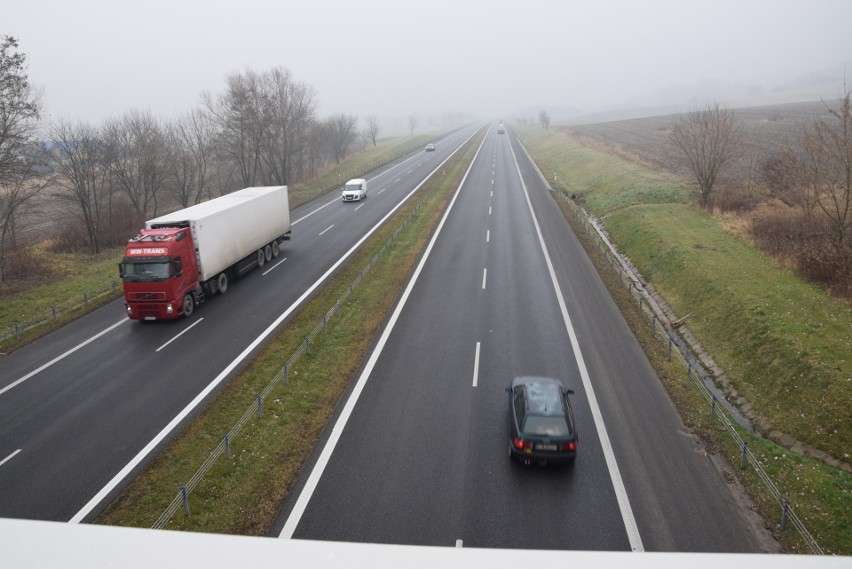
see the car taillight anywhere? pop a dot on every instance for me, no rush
(571, 445)
(521, 444)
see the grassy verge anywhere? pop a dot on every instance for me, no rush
(721, 272)
(243, 495)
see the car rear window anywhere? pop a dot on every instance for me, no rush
(548, 426)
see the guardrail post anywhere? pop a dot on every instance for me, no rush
(53, 311)
(324, 328)
(259, 407)
(307, 344)
(338, 309)
(113, 284)
(670, 348)
(784, 514)
(85, 299)
(228, 446)
(654, 324)
(17, 330)
(286, 375)
(745, 454)
(185, 500)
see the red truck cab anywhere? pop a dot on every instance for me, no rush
(160, 275)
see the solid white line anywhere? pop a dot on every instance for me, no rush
(359, 207)
(484, 276)
(612, 465)
(10, 457)
(326, 229)
(152, 444)
(63, 356)
(316, 473)
(273, 267)
(187, 329)
(476, 366)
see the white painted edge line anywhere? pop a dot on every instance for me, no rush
(484, 277)
(476, 366)
(612, 465)
(316, 473)
(63, 356)
(152, 444)
(273, 267)
(10, 457)
(181, 333)
(326, 229)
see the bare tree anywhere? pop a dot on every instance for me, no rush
(20, 109)
(828, 147)
(342, 133)
(706, 141)
(138, 157)
(372, 131)
(191, 145)
(544, 119)
(83, 169)
(413, 121)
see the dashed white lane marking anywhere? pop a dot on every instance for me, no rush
(10, 457)
(326, 229)
(476, 366)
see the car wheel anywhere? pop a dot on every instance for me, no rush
(188, 305)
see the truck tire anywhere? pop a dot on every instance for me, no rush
(261, 258)
(188, 305)
(276, 248)
(268, 252)
(222, 283)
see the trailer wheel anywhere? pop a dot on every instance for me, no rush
(268, 252)
(261, 258)
(222, 283)
(188, 305)
(275, 248)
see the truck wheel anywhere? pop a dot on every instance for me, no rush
(188, 305)
(222, 283)
(275, 248)
(261, 258)
(268, 252)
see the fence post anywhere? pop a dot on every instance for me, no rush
(784, 514)
(185, 501)
(713, 411)
(670, 348)
(85, 299)
(324, 328)
(338, 309)
(228, 446)
(17, 330)
(307, 344)
(745, 453)
(654, 324)
(53, 311)
(259, 407)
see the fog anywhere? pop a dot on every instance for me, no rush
(489, 58)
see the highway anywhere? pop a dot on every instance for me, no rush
(418, 454)
(85, 408)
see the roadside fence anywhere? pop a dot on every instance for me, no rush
(679, 350)
(17, 328)
(255, 409)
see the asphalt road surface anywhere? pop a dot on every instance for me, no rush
(419, 452)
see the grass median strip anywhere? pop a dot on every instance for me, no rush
(243, 495)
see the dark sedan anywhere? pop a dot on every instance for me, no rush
(542, 421)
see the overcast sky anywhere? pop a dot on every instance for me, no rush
(96, 59)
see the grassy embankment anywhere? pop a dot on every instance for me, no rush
(784, 344)
(243, 495)
(72, 275)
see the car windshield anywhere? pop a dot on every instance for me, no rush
(546, 426)
(353, 187)
(135, 271)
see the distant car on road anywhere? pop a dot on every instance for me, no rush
(542, 421)
(430, 147)
(355, 190)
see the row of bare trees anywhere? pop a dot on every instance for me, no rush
(261, 129)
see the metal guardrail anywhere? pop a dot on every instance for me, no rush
(283, 375)
(17, 328)
(695, 371)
